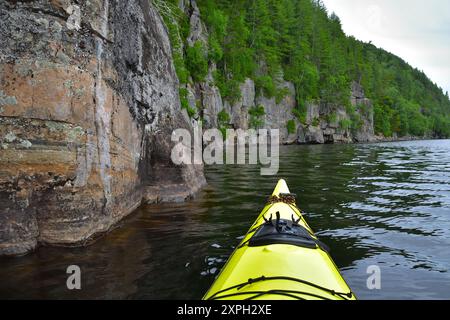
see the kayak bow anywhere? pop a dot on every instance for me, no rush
(280, 258)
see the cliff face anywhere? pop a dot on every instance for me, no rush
(88, 102)
(327, 123)
(323, 123)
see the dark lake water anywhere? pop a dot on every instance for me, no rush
(379, 204)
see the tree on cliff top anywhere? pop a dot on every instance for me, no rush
(298, 40)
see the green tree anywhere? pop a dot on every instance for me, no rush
(301, 42)
(256, 117)
(197, 61)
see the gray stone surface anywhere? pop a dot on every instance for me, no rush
(328, 118)
(198, 30)
(278, 114)
(91, 102)
(239, 110)
(365, 108)
(208, 98)
(314, 135)
(211, 100)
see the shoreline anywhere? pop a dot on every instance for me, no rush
(375, 141)
(152, 196)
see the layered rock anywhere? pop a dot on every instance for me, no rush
(278, 114)
(324, 123)
(238, 111)
(197, 28)
(330, 123)
(310, 135)
(204, 97)
(364, 107)
(88, 102)
(211, 100)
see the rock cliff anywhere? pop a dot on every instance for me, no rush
(89, 97)
(323, 123)
(328, 123)
(88, 101)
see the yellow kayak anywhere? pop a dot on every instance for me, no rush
(280, 258)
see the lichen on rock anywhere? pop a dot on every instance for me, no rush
(88, 101)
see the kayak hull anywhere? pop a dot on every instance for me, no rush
(279, 271)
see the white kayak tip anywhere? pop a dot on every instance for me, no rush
(281, 187)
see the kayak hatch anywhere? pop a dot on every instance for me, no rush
(280, 258)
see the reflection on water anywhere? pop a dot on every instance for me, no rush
(384, 204)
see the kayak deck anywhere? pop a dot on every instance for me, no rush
(279, 270)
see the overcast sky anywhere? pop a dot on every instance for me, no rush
(416, 30)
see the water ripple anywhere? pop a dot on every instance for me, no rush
(375, 204)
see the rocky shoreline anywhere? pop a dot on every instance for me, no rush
(89, 98)
(322, 123)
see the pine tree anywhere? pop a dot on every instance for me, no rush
(301, 42)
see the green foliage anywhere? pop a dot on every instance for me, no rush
(266, 85)
(256, 117)
(345, 124)
(197, 61)
(280, 94)
(224, 122)
(315, 122)
(217, 22)
(355, 113)
(300, 114)
(215, 49)
(382, 116)
(441, 126)
(185, 102)
(184, 97)
(223, 117)
(178, 28)
(291, 126)
(357, 122)
(298, 40)
(180, 68)
(215, 18)
(350, 109)
(418, 124)
(332, 117)
(363, 109)
(257, 111)
(229, 89)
